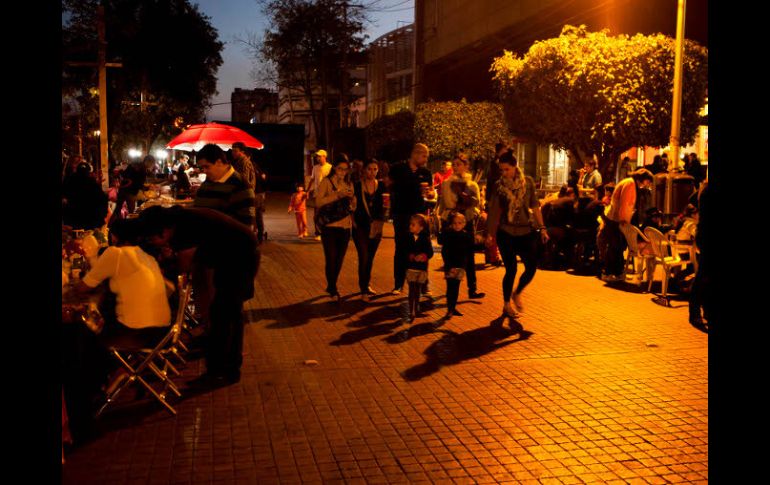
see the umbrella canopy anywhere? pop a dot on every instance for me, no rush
(196, 136)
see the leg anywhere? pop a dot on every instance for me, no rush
(526, 247)
(470, 268)
(452, 292)
(298, 217)
(303, 215)
(225, 351)
(259, 206)
(342, 238)
(373, 245)
(508, 253)
(361, 241)
(401, 230)
(329, 258)
(414, 298)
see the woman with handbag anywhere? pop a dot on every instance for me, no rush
(335, 201)
(459, 193)
(368, 220)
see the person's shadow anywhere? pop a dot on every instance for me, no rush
(453, 348)
(371, 324)
(301, 313)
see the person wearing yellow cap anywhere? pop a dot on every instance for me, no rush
(321, 169)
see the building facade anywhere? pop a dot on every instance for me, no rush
(390, 73)
(254, 106)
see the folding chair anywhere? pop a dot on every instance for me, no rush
(147, 354)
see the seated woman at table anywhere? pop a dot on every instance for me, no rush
(141, 293)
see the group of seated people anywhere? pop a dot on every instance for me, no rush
(573, 222)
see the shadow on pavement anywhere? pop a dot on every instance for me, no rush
(297, 314)
(453, 348)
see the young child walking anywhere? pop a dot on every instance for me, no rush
(455, 248)
(419, 251)
(298, 205)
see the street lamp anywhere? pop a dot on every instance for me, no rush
(676, 108)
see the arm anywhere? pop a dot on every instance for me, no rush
(242, 206)
(326, 194)
(104, 268)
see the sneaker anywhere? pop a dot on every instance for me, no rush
(517, 302)
(371, 291)
(396, 291)
(456, 313)
(475, 295)
(427, 292)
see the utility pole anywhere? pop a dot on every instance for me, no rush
(102, 64)
(676, 107)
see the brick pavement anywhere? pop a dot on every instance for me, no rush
(592, 384)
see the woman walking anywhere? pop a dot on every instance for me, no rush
(335, 201)
(368, 219)
(510, 224)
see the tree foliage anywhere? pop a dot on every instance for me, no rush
(451, 127)
(170, 54)
(310, 42)
(592, 93)
(391, 137)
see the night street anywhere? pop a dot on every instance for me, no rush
(592, 383)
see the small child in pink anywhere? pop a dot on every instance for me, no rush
(298, 205)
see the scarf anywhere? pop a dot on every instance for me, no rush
(513, 191)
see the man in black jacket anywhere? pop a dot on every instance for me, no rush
(410, 185)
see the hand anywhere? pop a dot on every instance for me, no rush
(544, 236)
(490, 241)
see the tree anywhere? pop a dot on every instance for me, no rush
(309, 43)
(450, 127)
(592, 93)
(391, 137)
(170, 54)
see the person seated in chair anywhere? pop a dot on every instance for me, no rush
(141, 293)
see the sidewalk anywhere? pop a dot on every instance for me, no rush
(593, 384)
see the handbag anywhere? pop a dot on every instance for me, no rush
(375, 227)
(333, 211)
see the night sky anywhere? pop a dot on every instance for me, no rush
(237, 18)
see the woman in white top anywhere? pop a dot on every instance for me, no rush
(135, 279)
(335, 235)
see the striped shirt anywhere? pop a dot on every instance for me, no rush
(231, 196)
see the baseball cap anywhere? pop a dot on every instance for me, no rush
(321, 153)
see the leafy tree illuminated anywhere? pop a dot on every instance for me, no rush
(593, 93)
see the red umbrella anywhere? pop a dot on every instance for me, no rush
(196, 136)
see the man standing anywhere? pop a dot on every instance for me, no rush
(255, 179)
(620, 211)
(411, 184)
(320, 171)
(207, 240)
(224, 190)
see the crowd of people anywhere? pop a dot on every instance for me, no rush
(216, 241)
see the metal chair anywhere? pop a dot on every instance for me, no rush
(149, 358)
(635, 250)
(665, 254)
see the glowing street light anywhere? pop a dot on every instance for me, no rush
(134, 153)
(161, 154)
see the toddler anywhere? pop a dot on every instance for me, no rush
(419, 251)
(455, 248)
(298, 205)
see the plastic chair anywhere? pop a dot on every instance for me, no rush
(666, 255)
(632, 235)
(146, 356)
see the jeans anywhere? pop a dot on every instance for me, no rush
(224, 352)
(616, 244)
(366, 249)
(526, 248)
(335, 243)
